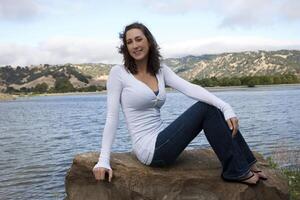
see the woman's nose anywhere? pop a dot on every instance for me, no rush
(135, 45)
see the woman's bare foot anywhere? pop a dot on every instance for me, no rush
(259, 172)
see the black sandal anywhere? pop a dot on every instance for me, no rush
(242, 180)
(258, 171)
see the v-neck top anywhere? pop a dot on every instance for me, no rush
(141, 108)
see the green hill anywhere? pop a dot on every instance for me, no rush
(250, 68)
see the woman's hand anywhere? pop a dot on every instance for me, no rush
(233, 124)
(99, 173)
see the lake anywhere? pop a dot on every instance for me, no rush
(39, 136)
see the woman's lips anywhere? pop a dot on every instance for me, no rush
(137, 52)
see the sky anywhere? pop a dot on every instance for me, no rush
(36, 32)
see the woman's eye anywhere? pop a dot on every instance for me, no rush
(128, 42)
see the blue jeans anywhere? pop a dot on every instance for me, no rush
(233, 152)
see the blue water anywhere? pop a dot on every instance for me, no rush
(39, 136)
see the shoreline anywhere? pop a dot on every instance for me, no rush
(244, 87)
(8, 97)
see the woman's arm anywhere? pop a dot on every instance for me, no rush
(196, 92)
(114, 88)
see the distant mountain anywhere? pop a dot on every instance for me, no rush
(79, 76)
(186, 63)
(189, 67)
(238, 64)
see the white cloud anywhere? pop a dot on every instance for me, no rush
(225, 44)
(59, 51)
(14, 10)
(249, 13)
(233, 13)
(20, 10)
(291, 9)
(175, 7)
(62, 50)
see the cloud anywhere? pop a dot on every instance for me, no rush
(256, 12)
(225, 44)
(235, 13)
(175, 7)
(290, 9)
(15, 10)
(60, 50)
(241, 13)
(21, 10)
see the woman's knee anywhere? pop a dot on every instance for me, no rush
(202, 105)
(207, 107)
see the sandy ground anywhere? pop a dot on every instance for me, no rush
(6, 97)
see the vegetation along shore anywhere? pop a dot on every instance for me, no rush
(246, 69)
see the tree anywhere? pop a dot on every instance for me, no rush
(11, 90)
(224, 81)
(41, 88)
(25, 90)
(253, 81)
(265, 80)
(63, 85)
(277, 80)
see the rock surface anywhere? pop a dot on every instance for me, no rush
(195, 175)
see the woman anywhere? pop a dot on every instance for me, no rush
(139, 87)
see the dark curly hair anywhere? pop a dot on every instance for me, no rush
(154, 56)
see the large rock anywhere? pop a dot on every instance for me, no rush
(195, 175)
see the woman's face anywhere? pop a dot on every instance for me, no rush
(137, 44)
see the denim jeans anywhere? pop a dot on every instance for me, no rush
(233, 152)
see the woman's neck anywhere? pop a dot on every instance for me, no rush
(141, 66)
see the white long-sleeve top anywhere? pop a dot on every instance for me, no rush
(141, 108)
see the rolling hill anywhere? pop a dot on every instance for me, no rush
(87, 75)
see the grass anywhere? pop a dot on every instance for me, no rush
(293, 176)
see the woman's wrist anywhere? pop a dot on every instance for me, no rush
(104, 165)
